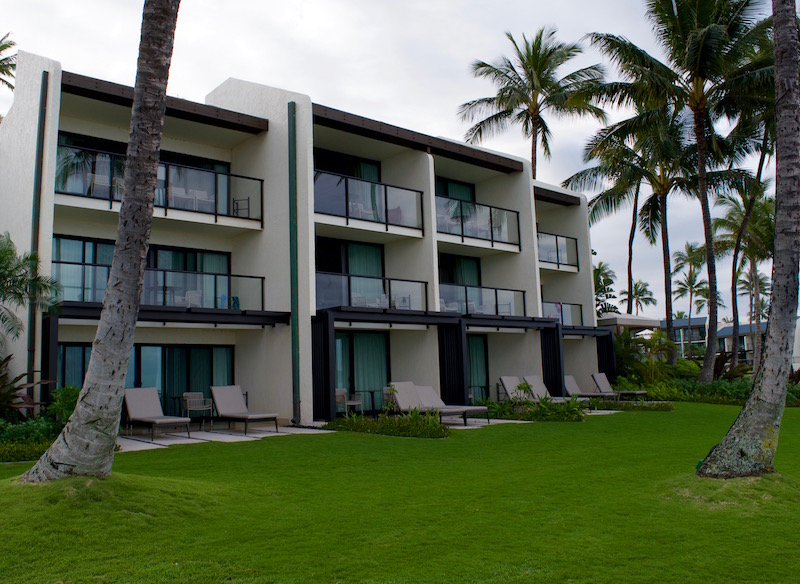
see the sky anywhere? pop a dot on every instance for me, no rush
(405, 63)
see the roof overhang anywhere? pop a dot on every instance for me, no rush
(91, 311)
(368, 128)
(631, 321)
(554, 195)
(115, 93)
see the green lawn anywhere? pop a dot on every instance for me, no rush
(608, 500)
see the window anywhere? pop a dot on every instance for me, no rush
(362, 365)
(347, 165)
(454, 189)
(464, 271)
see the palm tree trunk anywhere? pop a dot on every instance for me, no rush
(756, 327)
(707, 371)
(631, 236)
(662, 204)
(86, 445)
(689, 326)
(749, 446)
(534, 140)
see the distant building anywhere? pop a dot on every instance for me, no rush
(688, 334)
(746, 338)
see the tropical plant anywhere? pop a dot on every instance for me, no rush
(642, 295)
(21, 285)
(604, 289)
(691, 258)
(8, 63)
(750, 444)
(528, 87)
(655, 351)
(86, 444)
(713, 69)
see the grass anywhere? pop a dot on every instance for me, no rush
(613, 499)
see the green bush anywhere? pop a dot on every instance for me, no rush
(64, 401)
(635, 405)
(39, 429)
(544, 410)
(22, 451)
(686, 369)
(720, 391)
(415, 424)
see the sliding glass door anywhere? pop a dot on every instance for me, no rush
(362, 365)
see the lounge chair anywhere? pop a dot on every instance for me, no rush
(509, 384)
(229, 402)
(539, 389)
(406, 398)
(572, 388)
(431, 399)
(144, 408)
(602, 383)
(343, 399)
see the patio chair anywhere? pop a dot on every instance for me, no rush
(509, 384)
(572, 388)
(195, 401)
(539, 389)
(229, 401)
(144, 408)
(343, 399)
(406, 398)
(602, 383)
(431, 399)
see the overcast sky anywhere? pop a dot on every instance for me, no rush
(402, 62)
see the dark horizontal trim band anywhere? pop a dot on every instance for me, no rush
(182, 109)
(91, 311)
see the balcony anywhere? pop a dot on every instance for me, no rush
(466, 219)
(478, 300)
(87, 283)
(558, 249)
(334, 290)
(355, 198)
(567, 314)
(100, 175)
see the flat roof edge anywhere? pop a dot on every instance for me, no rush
(183, 109)
(369, 128)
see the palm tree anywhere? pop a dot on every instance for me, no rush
(604, 288)
(713, 67)
(648, 148)
(750, 444)
(642, 295)
(689, 285)
(8, 63)
(528, 87)
(21, 285)
(86, 444)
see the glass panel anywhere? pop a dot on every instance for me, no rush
(571, 315)
(73, 166)
(223, 367)
(510, 303)
(95, 282)
(329, 194)
(548, 248)
(481, 301)
(67, 250)
(70, 276)
(153, 292)
(151, 368)
(105, 254)
(245, 195)
(331, 290)
(175, 382)
(568, 251)
(369, 292)
(408, 295)
(504, 226)
(366, 200)
(478, 374)
(200, 369)
(448, 216)
(246, 293)
(452, 298)
(551, 310)
(74, 365)
(343, 362)
(477, 220)
(403, 207)
(130, 375)
(370, 365)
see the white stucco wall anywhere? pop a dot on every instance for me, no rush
(414, 356)
(516, 354)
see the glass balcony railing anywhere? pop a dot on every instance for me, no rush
(558, 249)
(356, 198)
(568, 314)
(467, 219)
(335, 290)
(100, 175)
(87, 283)
(478, 300)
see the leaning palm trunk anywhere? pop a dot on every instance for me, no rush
(86, 445)
(755, 328)
(631, 236)
(749, 446)
(707, 371)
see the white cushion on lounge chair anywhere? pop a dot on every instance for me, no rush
(539, 389)
(144, 407)
(230, 405)
(510, 383)
(571, 387)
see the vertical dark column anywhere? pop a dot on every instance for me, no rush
(49, 355)
(323, 359)
(552, 360)
(295, 323)
(453, 363)
(606, 358)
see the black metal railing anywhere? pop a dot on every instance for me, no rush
(558, 249)
(87, 283)
(100, 175)
(480, 300)
(568, 314)
(477, 221)
(356, 198)
(335, 290)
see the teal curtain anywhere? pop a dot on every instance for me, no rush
(175, 379)
(468, 272)
(370, 364)
(151, 368)
(214, 288)
(368, 171)
(222, 358)
(478, 375)
(365, 260)
(461, 192)
(343, 362)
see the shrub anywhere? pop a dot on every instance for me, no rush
(22, 451)
(39, 429)
(686, 369)
(64, 401)
(415, 424)
(627, 406)
(544, 410)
